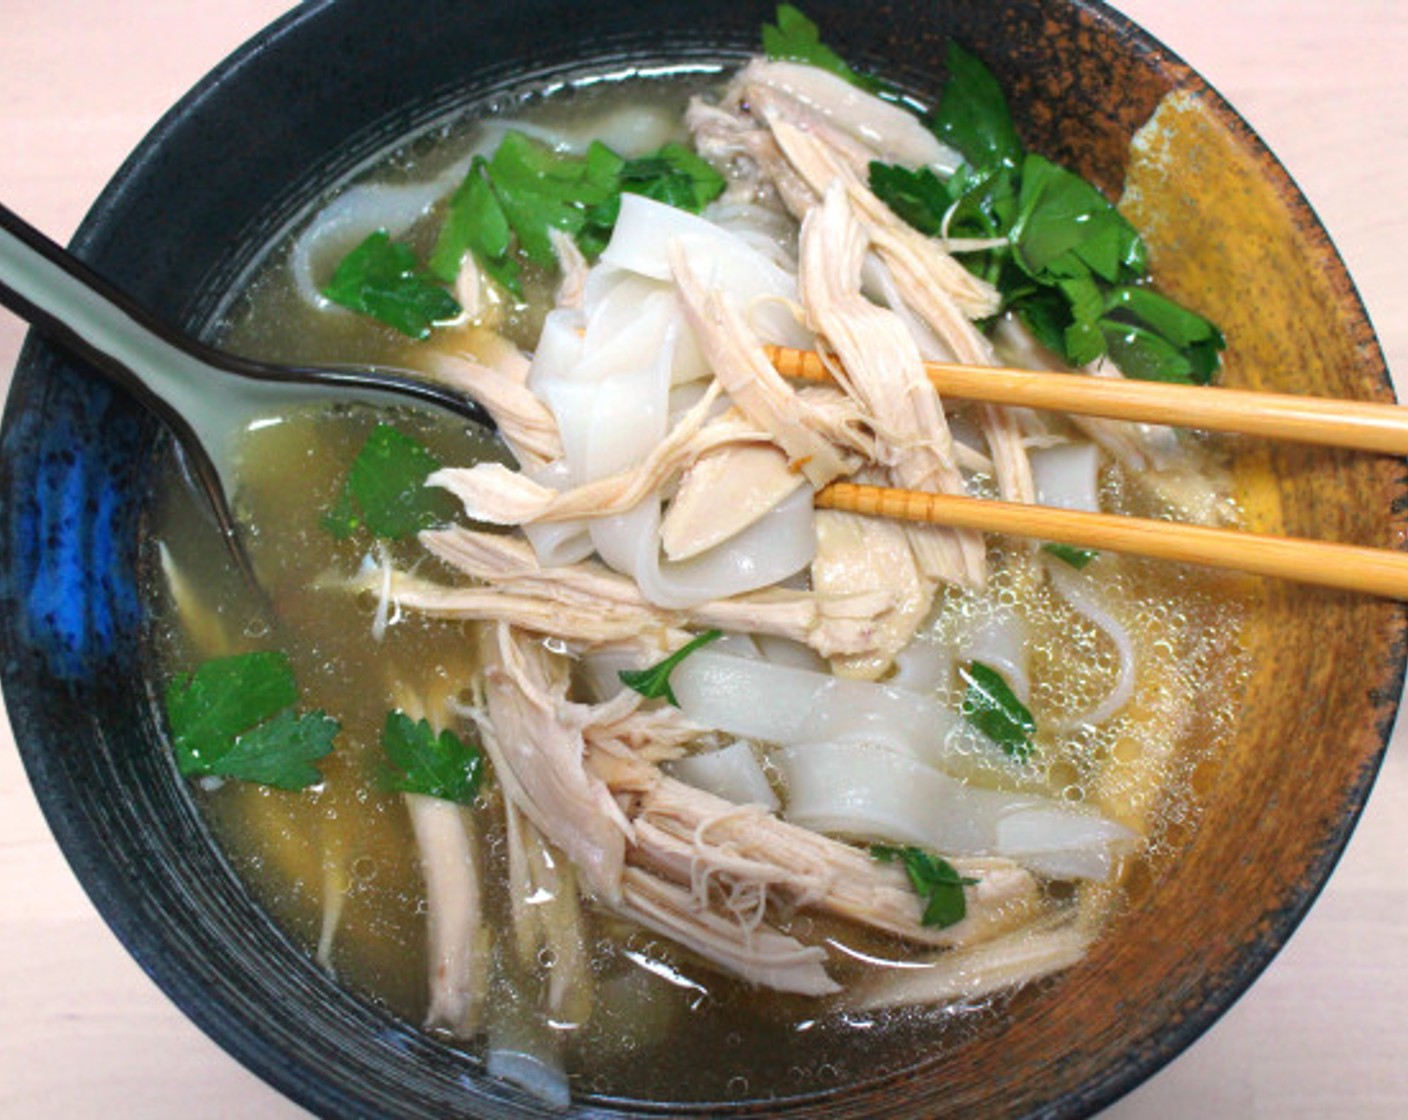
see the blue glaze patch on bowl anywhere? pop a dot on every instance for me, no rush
(69, 499)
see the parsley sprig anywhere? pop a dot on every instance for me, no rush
(992, 707)
(438, 765)
(384, 279)
(385, 491)
(937, 883)
(1073, 269)
(654, 682)
(235, 717)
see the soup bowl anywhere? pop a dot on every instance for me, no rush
(312, 99)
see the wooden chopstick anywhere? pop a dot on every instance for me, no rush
(1362, 425)
(1348, 567)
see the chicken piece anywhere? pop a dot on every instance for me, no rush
(871, 554)
(878, 129)
(526, 424)
(1021, 957)
(816, 445)
(538, 759)
(924, 275)
(459, 946)
(457, 940)
(761, 955)
(573, 266)
(548, 920)
(589, 603)
(723, 492)
(698, 838)
(885, 374)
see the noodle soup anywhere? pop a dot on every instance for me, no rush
(899, 775)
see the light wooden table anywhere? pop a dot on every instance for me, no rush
(1322, 1034)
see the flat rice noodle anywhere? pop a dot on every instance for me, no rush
(722, 259)
(1067, 476)
(732, 772)
(351, 217)
(1000, 642)
(558, 543)
(868, 792)
(782, 704)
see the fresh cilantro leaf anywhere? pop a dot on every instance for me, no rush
(1065, 227)
(654, 683)
(540, 189)
(795, 38)
(934, 880)
(382, 278)
(919, 197)
(233, 717)
(1077, 558)
(442, 765)
(675, 176)
(993, 708)
(973, 116)
(1197, 341)
(385, 490)
(281, 752)
(1083, 341)
(475, 222)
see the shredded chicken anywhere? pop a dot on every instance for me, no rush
(882, 370)
(817, 445)
(524, 422)
(694, 837)
(762, 955)
(590, 604)
(538, 759)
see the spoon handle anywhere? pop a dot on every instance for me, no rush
(80, 311)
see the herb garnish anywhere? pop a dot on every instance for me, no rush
(475, 222)
(385, 490)
(442, 765)
(795, 38)
(934, 879)
(233, 717)
(1073, 269)
(654, 682)
(384, 279)
(527, 188)
(1077, 558)
(992, 707)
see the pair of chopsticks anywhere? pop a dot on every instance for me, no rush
(1356, 425)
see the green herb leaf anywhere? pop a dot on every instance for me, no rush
(442, 765)
(1065, 227)
(993, 708)
(1197, 342)
(1077, 558)
(475, 222)
(795, 38)
(382, 278)
(919, 197)
(654, 683)
(386, 492)
(973, 116)
(281, 752)
(934, 879)
(675, 176)
(232, 717)
(540, 189)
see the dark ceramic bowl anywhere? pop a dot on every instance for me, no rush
(328, 85)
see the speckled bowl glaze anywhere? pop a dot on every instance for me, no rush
(333, 82)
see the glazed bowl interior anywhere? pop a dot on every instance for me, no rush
(318, 95)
